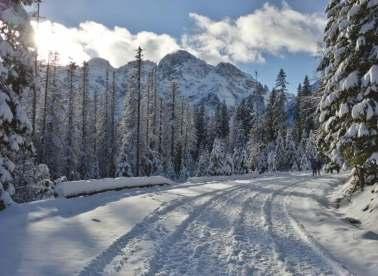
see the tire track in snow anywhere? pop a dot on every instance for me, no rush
(212, 247)
(128, 244)
(242, 230)
(254, 242)
(337, 267)
(296, 253)
(202, 243)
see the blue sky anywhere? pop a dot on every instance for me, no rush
(172, 17)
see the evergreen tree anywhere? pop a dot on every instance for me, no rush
(71, 154)
(138, 119)
(200, 129)
(54, 136)
(84, 163)
(297, 121)
(203, 163)
(107, 141)
(269, 118)
(280, 153)
(127, 154)
(17, 76)
(349, 77)
(113, 126)
(229, 165)
(240, 155)
(217, 158)
(222, 121)
(306, 109)
(279, 104)
(290, 149)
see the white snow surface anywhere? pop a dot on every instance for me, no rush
(81, 187)
(350, 81)
(372, 3)
(272, 225)
(371, 77)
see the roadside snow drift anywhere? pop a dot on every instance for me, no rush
(87, 187)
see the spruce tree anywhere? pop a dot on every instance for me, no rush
(279, 105)
(71, 157)
(217, 158)
(200, 129)
(222, 121)
(306, 109)
(84, 121)
(203, 163)
(17, 75)
(349, 79)
(127, 153)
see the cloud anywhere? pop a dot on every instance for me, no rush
(247, 39)
(92, 39)
(269, 30)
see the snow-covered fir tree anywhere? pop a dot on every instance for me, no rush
(350, 75)
(16, 67)
(217, 159)
(127, 154)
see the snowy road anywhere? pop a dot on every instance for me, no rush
(239, 227)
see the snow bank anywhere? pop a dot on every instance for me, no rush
(364, 207)
(86, 187)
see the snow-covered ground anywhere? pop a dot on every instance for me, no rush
(272, 225)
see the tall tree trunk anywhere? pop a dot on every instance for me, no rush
(70, 127)
(112, 127)
(154, 116)
(34, 107)
(160, 126)
(139, 72)
(84, 115)
(44, 118)
(173, 119)
(149, 88)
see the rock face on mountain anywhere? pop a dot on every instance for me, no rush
(199, 81)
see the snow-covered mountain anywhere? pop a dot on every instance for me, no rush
(201, 82)
(197, 81)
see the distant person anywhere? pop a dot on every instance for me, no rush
(319, 165)
(313, 166)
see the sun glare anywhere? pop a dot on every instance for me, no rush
(52, 38)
